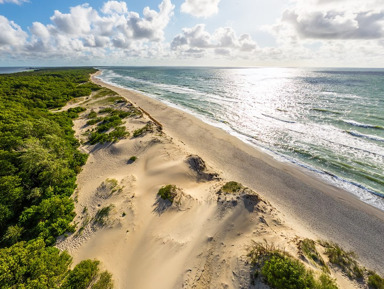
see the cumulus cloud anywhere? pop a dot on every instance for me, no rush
(336, 19)
(18, 2)
(330, 32)
(77, 22)
(11, 33)
(224, 41)
(201, 8)
(85, 31)
(112, 7)
(337, 25)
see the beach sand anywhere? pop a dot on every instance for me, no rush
(201, 241)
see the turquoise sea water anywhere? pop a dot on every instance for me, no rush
(330, 121)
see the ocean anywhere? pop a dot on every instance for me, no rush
(328, 121)
(6, 70)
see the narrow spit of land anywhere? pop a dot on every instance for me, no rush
(327, 211)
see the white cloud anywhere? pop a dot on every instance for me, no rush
(196, 41)
(330, 32)
(86, 34)
(18, 2)
(337, 25)
(336, 19)
(77, 22)
(11, 33)
(112, 7)
(200, 8)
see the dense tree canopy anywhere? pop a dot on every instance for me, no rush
(39, 161)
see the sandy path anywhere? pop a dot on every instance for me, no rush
(321, 208)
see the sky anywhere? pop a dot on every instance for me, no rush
(282, 33)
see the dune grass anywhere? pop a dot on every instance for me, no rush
(346, 261)
(280, 270)
(232, 187)
(309, 251)
(143, 130)
(102, 215)
(168, 192)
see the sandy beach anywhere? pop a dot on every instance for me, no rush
(320, 207)
(201, 241)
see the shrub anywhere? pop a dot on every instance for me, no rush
(94, 120)
(167, 192)
(74, 112)
(104, 282)
(92, 114)
(118, 133)
(231, 187)
(106, 110)
(108, 123)
(375, 281)
(132, 159)
(82, 275)
(282, 272)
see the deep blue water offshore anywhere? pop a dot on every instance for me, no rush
(330, 121)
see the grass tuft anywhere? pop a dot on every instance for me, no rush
(168, 192)
(308, 249)
(102, 215)
(143, 130)
(232, 187)
(346, 261)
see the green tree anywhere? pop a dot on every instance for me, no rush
(82, 275)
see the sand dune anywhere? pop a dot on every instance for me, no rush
(202, 239)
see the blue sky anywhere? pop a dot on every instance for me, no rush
(193, 32)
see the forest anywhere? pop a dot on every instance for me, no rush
(39, 162)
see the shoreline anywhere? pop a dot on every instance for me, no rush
(361, 191)
(319, 207)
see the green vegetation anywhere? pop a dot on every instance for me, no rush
(102, 215)
(143, 130)
(110, 100)
(308, 249)
(132, 159)
(92, 114)
(168, 192)
(109, 128)
(104, 282)
(232, 187)
(346, 261)
(104, 92)
(32, 265)
(28, 264)
(280, 270)
(94, 120)
(82, 275)
(111, 185)
(375, 281)
(283, 272)
(39, 159)
(39, 162)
